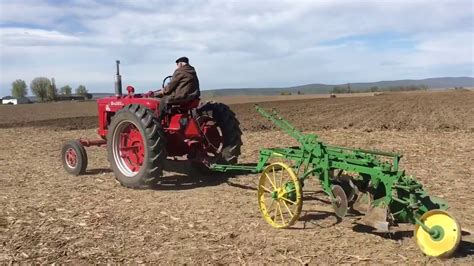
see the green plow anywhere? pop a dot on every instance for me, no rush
(365, 181)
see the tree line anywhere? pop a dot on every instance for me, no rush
(45, 89)
(341, 89)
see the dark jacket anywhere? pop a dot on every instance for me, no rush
(184, 85)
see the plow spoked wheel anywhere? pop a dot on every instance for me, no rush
(339, 203)
(446, 234)
(279, 195)
(136, 146)
(74, 157)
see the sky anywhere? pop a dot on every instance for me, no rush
(234, 44)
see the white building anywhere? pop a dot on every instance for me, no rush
(15, 101)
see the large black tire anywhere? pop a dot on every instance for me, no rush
(154, 146)
(78, 165)
(231, 132)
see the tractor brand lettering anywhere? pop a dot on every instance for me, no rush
(116, 103)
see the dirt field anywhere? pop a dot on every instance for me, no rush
(48, 216)
(432, 111)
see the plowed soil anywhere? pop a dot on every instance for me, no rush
(48, 216)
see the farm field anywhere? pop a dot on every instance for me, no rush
(445, 111)
(48, 216)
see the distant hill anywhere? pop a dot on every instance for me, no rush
(318, 88)
(431, 83)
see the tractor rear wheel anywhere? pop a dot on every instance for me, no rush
(136, 146)
(74, 157)
(222, 134)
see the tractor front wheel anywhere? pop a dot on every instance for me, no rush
(74, 157)
(136, 146)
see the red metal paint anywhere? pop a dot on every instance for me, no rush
(184, 135)
(175, 122)
(96, 142)
(130, 90)
(71, 158)
(108, 106)
(192, 130)
(132, 149)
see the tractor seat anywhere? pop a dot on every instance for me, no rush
(186, 106)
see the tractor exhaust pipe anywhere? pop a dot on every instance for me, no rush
(118, 81)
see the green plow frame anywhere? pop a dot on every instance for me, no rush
(366, 181)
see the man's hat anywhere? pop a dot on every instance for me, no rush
(183, 59)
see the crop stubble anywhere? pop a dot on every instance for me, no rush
(48, 216)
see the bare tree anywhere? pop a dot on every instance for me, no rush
(81, 90)
(52, 91)
(39, 87)
(65, 90)
(19, 88)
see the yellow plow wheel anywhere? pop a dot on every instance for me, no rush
(447, 237)
(279, 195)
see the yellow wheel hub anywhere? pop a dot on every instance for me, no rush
(444, 237)
(279, 195)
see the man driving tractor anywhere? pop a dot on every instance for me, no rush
(183, 87)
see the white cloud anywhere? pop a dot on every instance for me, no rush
(28, 12)
(35, 37)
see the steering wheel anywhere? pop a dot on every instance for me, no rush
(164, 81)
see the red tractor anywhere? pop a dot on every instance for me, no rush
(138, 143)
